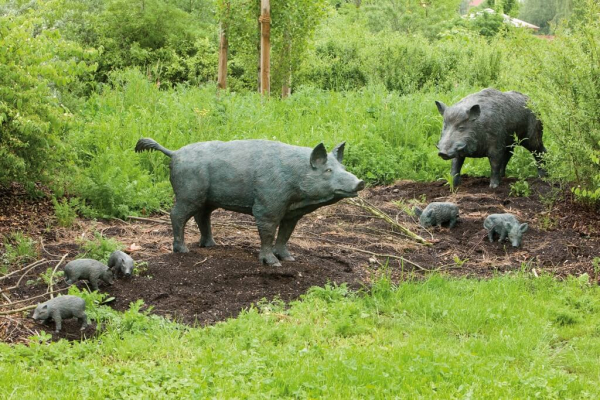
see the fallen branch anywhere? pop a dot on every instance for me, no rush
(32, 265)
(51, 280)
(200, 262)
(365, 205)
(31, 307)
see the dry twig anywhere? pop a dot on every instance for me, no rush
(365, 205)
(32, 265)
(51, 280)
(18, 310)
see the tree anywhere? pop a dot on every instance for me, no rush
(38, 69)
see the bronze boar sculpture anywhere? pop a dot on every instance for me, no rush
(483, 124)
(275, 182)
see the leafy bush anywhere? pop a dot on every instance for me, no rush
(565, 95)
(38, 69)
(18, 249)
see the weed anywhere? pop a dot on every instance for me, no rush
(449, 178)
(65, 211)
(99, 248)
(18, 249)
(459, 262)
(520, 189)
(140, 268)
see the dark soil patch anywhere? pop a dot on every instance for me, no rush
(339, 243)
(209, 285)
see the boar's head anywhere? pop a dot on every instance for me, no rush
(327, 178)
(459, 132)
(41, 312)
(515, 234)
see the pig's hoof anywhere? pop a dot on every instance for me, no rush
(284, 255)
(207, 242)
(270, 260)
(494, 185)
(180, 249)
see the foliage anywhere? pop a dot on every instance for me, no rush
(38, 69)
(18, 249)
(565, 95)
(545, 13)
(409, 17)
(65, 211)
(99, 248)
(507, 337)
(520, 189)
(293, 23)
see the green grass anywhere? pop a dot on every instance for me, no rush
(388, 136)
(507, 337)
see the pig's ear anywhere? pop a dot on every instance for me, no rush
(45, 306)
(474, 112)
(338, 151)
(318, 156)
(523, 228)
(441, 107)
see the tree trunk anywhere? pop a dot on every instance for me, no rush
(265, 47)
(223, 48)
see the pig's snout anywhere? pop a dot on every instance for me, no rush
(359, 186)
(445, 156)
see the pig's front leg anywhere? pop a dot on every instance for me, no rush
(267, 225)
(457, 164)
(285, 231)
(496, 165)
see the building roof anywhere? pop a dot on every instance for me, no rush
(475, 3)
(507, 19)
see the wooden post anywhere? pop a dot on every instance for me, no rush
(265, 47)
(223, 50)
(223, 47)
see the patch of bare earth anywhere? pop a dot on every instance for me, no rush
(341, 243)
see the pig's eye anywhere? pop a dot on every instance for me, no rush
(461, 128)
(328, 170)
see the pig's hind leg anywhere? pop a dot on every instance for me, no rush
(180, 215)
(203, 220)
(285, 231)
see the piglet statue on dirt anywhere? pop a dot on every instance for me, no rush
(275, 182)
(437, 214)
(59, 308)
(483, 124)
(120, 263)
(505, 225)
(89, 269)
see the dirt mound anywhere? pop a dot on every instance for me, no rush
(339, 243)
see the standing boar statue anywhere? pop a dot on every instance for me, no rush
(483, 125)
(275, 182)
